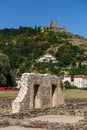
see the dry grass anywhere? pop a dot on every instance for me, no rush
(8, 94)
(69, 94)
(75, 94)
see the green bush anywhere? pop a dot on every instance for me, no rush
(67, 85)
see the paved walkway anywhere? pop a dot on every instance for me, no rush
(59, 118)
(19, 128)
(50, 118)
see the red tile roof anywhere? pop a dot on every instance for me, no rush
(85, 77)
(79, 76)
(67, 76)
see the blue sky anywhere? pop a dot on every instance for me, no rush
(69, 13)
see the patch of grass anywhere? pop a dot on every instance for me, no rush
(8, 94)
(69, 94)
(75, 94)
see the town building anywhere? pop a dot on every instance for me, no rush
(84, 62)
(79, 80)
(47, 58)
(67, 78)
(18, 83)
(85, 82)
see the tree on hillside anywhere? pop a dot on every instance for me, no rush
(64, 56)
(67, 55)
(6, 76)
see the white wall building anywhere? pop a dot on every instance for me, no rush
(85, 82)
(67, 78)
(18, 83)
(79, 80)
(84, 63)
(47, 58)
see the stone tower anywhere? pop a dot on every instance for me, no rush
(53, 25)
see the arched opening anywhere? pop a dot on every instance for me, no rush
(37, 96)
(54, 95)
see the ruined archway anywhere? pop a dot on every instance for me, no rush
(38, 91)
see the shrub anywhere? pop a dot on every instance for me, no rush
(67, 85)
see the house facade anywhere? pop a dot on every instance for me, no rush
(67, 78)
(85, 81)
(84, 63)
(18, 82)
(47, 58)
(79, 80)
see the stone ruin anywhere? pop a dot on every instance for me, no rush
(38, 91)
(53, 27)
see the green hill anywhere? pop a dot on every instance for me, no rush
(26, 44)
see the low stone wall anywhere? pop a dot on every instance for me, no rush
(82, 125)
(55, 126)
(5, 104)
(74, 108)
(70, 108)
(24, 119)
(4, 123)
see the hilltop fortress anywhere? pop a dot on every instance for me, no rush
(53, 27)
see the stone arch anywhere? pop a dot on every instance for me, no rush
(37, 96)
(54, 95)
(38, 91)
